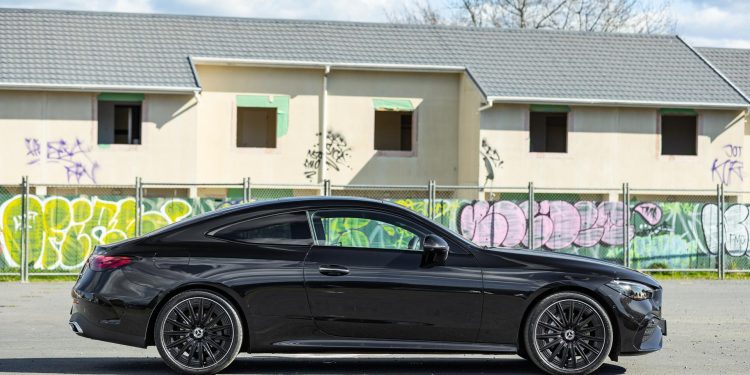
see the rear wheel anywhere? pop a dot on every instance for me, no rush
(568, 333)
(198, 332)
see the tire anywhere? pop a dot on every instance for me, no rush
(568, 333)
(198, 332)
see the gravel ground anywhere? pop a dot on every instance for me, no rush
(708, 323)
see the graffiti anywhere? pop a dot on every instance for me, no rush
(63, 231)
(74, 159)
(557, 224)
(491, 159)
(729, 166)
(736, 229)
(338, 154)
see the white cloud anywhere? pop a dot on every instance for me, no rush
(142, 6)
(721, 23)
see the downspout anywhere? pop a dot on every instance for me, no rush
(324, 127)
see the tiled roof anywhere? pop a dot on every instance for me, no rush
(734, 63)
(48, 47)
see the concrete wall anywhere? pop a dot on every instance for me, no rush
(52, 138)
(608, 146)
(351, 120)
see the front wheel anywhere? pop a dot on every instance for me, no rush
(568, 333)
(198, 332)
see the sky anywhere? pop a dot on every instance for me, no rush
(716, 23)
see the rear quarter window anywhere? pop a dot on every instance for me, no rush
(283, 229)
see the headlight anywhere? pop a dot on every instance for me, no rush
(636, 291)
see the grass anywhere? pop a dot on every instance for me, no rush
(42, 279)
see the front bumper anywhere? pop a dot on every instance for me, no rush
(640, 324)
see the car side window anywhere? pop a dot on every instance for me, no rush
(289, 229)
(365, 229)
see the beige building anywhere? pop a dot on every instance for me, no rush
(203, 99)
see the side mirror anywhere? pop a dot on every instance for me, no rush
(435, 251)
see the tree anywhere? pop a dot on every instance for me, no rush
(639, 16)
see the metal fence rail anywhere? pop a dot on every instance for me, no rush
(49, 230)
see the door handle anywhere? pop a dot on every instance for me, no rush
(333, 270)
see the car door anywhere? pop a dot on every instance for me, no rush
(364, 280)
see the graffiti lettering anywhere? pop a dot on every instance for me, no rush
(557, 224)
(72, 156)
(491, 159)
(63, 231)
(338, 154)
(729, 166)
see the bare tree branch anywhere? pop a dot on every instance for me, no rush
(638, 16)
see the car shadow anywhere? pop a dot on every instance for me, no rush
(295, 365)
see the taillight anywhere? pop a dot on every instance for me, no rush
(98, 262)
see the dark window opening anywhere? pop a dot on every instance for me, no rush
(290, 229)
(256, 127)
(679, 135)
(393, 130)
(548, 131)
(119, 123)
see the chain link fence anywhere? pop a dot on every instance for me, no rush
(48, 230)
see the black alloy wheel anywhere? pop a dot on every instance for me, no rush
(198, 332)
(568, 333)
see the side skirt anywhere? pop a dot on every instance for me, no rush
(365, 346)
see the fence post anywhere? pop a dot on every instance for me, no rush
(530, 225)
(25, 229)
(327, 187)
(431, 199)
(720, 233)
(247, 189)
(626, 224)
(138, 206)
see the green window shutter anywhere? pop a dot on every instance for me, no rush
(120, 97)
(280, 102)
(548, 108)
(678, 111)
(392, 105)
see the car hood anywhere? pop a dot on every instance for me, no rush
(570, 263)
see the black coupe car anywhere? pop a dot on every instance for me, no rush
(356, 275)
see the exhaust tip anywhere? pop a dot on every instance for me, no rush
(76, 328)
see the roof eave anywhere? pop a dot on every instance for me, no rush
(613, 103)
(98, 88)
(198, 60)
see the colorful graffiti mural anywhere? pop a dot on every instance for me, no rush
(557, 224)
(64, 230)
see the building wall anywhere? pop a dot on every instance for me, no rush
(608, 146)
(52, 138)
(351, 120)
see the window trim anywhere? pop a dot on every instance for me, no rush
(659, 131)
(568, 127)
(235, 138)
(425, 231)
(123, 99)
(212, 232)
(414, 137)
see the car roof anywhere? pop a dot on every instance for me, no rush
(290, 203)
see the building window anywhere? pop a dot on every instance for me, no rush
(256, 127)
(394, 130)
(679, 134)
(548, 131)
(119, 121)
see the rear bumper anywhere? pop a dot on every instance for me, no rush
(96, 319)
